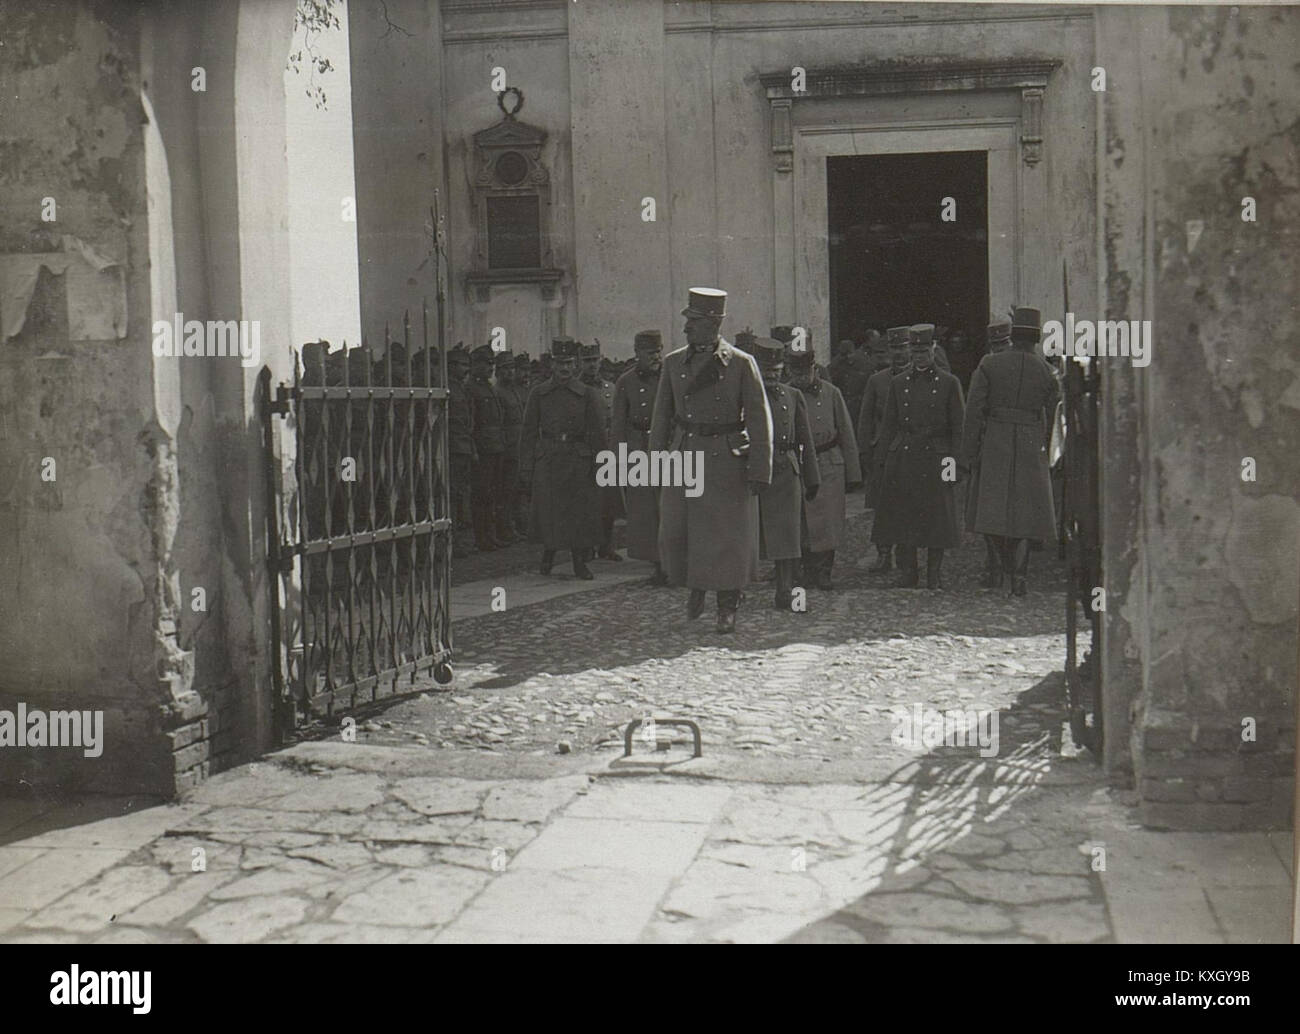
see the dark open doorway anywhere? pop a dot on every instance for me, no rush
(893, 260)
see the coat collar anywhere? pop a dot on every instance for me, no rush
(931, 374)
(574, 385)
(815, 388)
(722, 352)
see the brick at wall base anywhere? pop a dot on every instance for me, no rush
(1205, 816)
(192, 777)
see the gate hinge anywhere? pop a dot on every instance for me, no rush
(280, 407)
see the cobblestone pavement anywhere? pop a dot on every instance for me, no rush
(816, 685)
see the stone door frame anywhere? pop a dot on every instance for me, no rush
(802, 141)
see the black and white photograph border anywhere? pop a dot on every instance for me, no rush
(467, 466)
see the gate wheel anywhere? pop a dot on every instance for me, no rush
(443, 673)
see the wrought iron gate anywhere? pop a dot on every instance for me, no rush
(359, 534)
(1081, 519)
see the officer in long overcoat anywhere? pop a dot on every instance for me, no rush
(836, 455)
(871, 419)
(998, 339)
(922, 434)
(710, 399)
(1012, 400)
(634, 397)
(563, 431)
(611, 498)
(795, 473)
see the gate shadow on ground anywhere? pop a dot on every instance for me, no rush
(981, 848)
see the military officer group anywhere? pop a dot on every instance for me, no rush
(780, 447)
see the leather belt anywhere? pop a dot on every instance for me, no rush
(828, 446)
(565, 436)
(784, 446)
(1011, 415)
(709, 430)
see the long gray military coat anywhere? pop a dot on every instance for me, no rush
(780, 504)
(563, 430)
(829, 416)
(1012, 399)
(634, 398)
(710, 541)
(871, 417)
(922, 430)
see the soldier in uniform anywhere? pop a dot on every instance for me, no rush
(998, 340)
(871, 418)
(785, 334)
(850, 370)
(488, 488)
(922, 433)
(460, 444)
(962, 356)
(836, 455)
(611, 501)
(795, 473)
(1013, 400)
(634, 398)
(711, 400)
(513, 403)
(564, 430)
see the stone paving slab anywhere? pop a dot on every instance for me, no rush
(529, 906)
(56, 872)
(659, 859)
(1252, 915)
(648, 848)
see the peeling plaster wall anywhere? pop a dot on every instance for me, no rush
(160, 484)
(1215, 120)
(87, 593)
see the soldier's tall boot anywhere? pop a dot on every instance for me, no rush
(992, 563)
(580, 568)
(660, 577)
(1020, 577)
(548, 561)
(1007, 550)
(908, 577)
(824, 569)
(728, 601)
(606, 551)
(884, 560)
(695, 604)
(933, 562)
(784, 584)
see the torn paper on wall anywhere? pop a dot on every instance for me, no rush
(94, 286)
